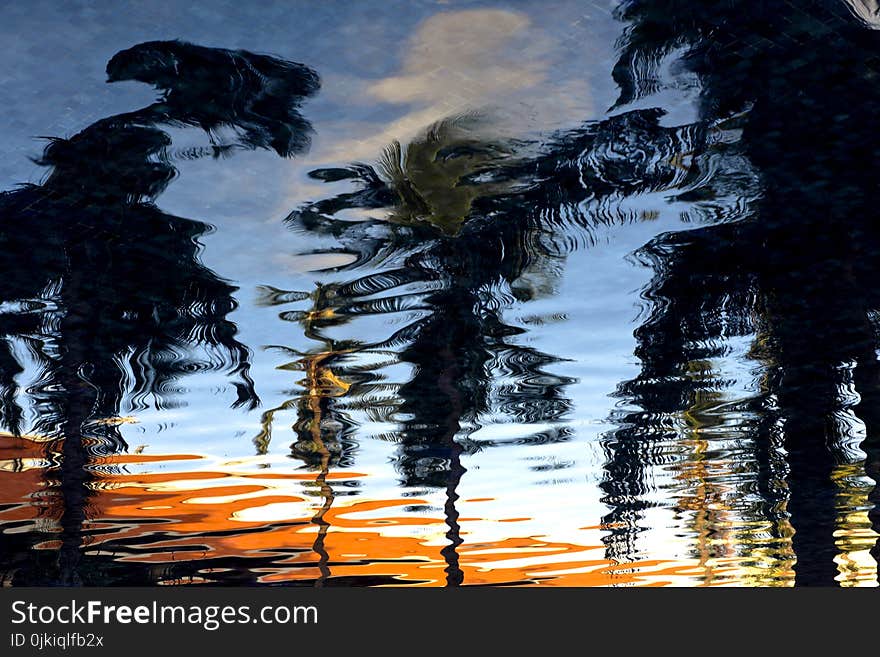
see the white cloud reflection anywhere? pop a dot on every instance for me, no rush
(494, 61)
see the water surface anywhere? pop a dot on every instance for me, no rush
(439, 294)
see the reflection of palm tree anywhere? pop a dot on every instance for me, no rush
(435, 177)
(798, 272)
(112, 303)
(452, 273)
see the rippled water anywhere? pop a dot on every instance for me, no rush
(439, 294)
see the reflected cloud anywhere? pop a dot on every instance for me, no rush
(492, 61)
(452, 53)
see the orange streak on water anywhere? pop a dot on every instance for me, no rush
(214, 513)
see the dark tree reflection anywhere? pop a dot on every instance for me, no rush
(212, 88)
(450, 270)
(797, 272)
(108, 299)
